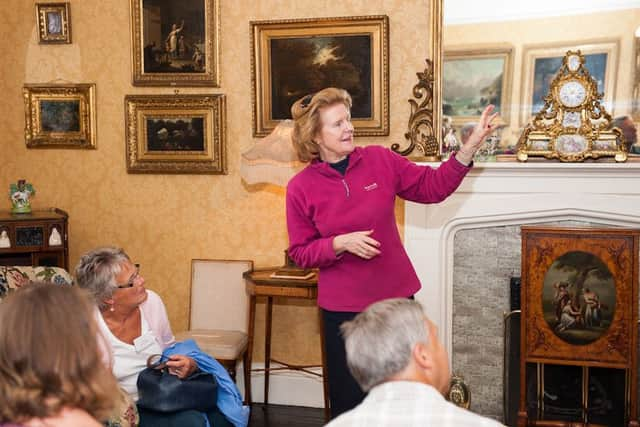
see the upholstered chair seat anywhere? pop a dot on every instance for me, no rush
(225, 345)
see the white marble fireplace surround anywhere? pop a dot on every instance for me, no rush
(510, 193)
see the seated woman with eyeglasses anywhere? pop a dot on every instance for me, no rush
(134, 321)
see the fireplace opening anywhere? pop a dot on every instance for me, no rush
(591, 396)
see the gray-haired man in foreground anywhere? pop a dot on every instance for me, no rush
(394, 353)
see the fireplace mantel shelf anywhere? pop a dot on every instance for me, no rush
(545, 167)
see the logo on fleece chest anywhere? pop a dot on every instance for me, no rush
(352, 206)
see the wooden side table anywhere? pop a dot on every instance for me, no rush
(260, 283)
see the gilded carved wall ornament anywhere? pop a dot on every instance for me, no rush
(420, 130)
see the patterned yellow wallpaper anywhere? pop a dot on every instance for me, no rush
(164, 221)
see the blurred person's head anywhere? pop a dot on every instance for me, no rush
(49, 355)
(322, 125)
(446, 124)
(393, 340)
(627, 127)
(466, 130)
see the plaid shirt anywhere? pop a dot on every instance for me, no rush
(406, 404)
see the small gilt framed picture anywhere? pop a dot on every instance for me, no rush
(54, 23)
(176, 134)
(60, 115)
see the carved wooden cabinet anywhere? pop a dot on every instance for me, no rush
(579, 329)
(36, 238)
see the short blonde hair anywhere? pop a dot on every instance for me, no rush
(306, 116)
(49, 355)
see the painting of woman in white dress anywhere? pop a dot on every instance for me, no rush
(173, 32)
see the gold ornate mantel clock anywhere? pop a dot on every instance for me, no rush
(573, 125)
(579, 333)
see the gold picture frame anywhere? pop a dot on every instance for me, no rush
(175, 43)
(635, 103)
(176, 134)
(60, 115)
(489, 65)
(540, 64)
(348, 52)
(54, 23)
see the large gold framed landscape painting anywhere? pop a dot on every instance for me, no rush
(176, 134)
(175, 42)
(296, 57)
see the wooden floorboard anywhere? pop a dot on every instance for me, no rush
(285, 416)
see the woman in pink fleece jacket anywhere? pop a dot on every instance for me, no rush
(341, 219)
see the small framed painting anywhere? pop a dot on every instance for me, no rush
(60, 115)
(175, 43)
(475, 78)
(176, 134)
(54, 23)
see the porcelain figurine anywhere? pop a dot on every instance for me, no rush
(4, 240)
(20, 193)
(55, 239)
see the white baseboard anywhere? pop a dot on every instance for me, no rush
(293, 388)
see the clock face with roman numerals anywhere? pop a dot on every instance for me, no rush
(572, 93)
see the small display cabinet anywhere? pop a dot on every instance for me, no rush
(578, 358)
(39, 238)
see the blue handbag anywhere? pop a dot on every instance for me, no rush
(163, 392)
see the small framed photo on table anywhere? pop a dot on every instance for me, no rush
(54, 23)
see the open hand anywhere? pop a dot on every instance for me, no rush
(181, 366)
(359, 243)
(484, 127)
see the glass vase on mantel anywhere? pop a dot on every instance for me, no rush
(20, 194)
